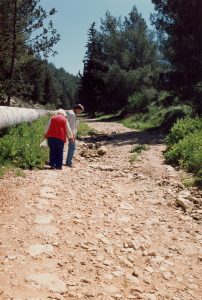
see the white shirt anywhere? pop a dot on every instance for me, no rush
(73, 122)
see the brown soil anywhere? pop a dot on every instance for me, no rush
(106, 229)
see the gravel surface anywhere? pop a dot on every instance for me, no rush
(106, 229)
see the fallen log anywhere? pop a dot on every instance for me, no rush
(10, 116)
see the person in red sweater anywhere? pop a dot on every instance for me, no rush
(56, 133)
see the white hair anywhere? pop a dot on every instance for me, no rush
(61, 112)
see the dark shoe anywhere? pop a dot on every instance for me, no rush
(68, 165)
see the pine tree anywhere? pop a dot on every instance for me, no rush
(92, 82)
(179, 23)
(19, 20)
(140, 49)
(50, 90)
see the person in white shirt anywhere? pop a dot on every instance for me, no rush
(73, 124)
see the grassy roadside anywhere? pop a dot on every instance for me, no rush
(184, 136)
(156, 117)
(184, 140)
(184, 146)
(142, 121)
(20, 146)
(85, 129)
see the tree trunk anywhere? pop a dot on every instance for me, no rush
(13, 54)
(10, 116)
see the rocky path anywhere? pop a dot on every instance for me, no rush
(106, 229)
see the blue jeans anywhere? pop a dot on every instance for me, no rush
(70, 154)
(56, 152)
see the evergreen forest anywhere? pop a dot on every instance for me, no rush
(129, 66)
(27, 39)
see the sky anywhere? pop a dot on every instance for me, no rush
(73, 19)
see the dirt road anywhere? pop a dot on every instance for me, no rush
(106, 229)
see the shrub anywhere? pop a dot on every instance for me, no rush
(20, 146)
(182, 128)
(156, 117)
(84, 129)
(139, 148)
(185, 146)
(172, 114)
(139, 101)
(188, 153)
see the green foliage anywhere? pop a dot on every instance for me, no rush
(189, 181)
(133, 158)
(138, 121)
(151, 119)
(19, 46)
(157, 117)
(139, 148)
(2, 172)
(187, 152)
(101, 117)
(185, 146)
(65, 87)
(182, 128)
(120, 61)
(20, 146)
(91, 84)
(20, 173)
(50, 106)
(139, 101)
(174, 113)
(84, 129)
(48, 85)
(179, 26)
(5, 168)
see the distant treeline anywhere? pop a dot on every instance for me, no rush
(25, 44)
(126, 65)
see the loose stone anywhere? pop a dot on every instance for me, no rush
(49, 281)
(43, 219)
(35, 250)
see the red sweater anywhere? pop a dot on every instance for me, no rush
(58, 128)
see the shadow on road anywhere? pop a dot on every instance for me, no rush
(127, 138)
(107, 119)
